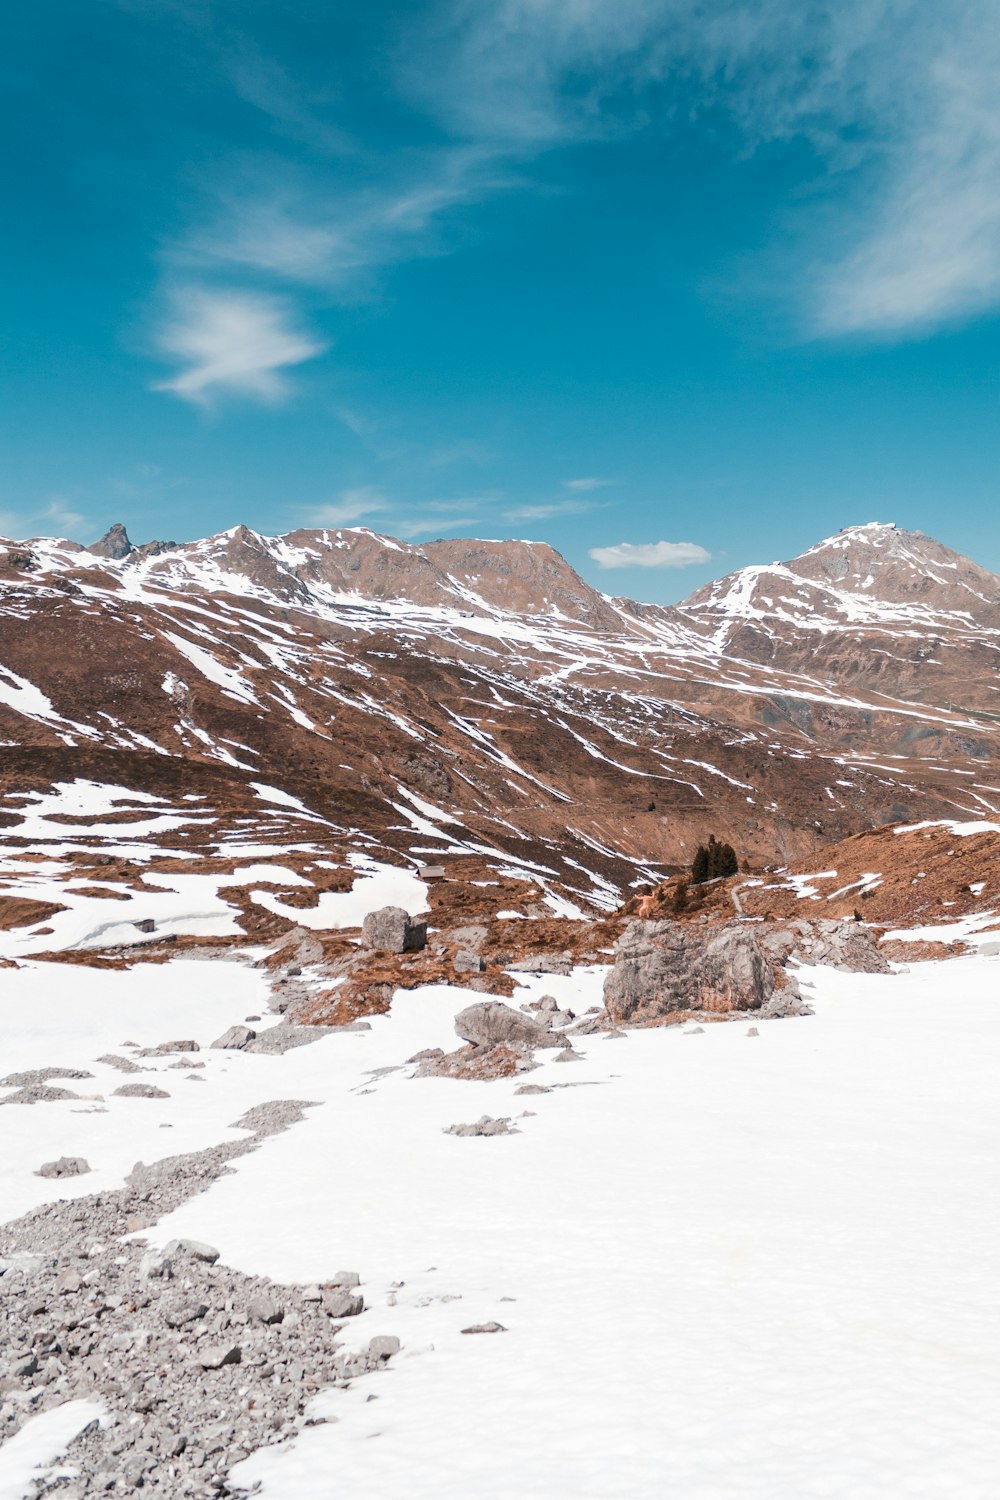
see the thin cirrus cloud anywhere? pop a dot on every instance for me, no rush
(351, 506)
(894, 100)
(231, 343)
(589, 482)
(650, 555)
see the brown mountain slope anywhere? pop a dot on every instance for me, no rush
(480, 700)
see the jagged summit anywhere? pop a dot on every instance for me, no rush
(116, 546)
(114, 543)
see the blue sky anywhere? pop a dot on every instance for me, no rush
(674, 286)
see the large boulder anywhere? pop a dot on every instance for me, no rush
(663, 967)
(393, 930)
(490, 1023)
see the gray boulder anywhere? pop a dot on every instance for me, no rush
(490, 1023)
(235, 1039)
(65, 1166)
(393, 930)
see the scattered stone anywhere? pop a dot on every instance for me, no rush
(123, 1064)
(145, 924)
(64, 1166)
(753, 1031)
(140, 1091)
(485, 1125)
(344, 1278)
(532, 1088)
(568, 1055)
(490, 1327)
(274, 1116)
(39, 1075)
(39, 1093)
(393, 930)
(165, 1048)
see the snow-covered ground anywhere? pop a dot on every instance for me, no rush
(727, 1265)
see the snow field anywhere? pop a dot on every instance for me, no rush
(740, 1266)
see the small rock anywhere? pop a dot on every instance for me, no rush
(186, 1311)
(264, 1310)
(141, 1091)
(195, 1249)
(753, 1031)
(338, 1302)
(491, 1327)
(467, 962)
(235, 1038)
(64, 1166)
(344, 1278)
(383, 1346)
(217, 1355)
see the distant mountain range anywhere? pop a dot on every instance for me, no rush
(479, 696)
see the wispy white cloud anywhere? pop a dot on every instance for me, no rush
(545, 510)
(590, 482)
(231, 344)
(60, 514)
(650, 555)
(351, 506)
(895, 98)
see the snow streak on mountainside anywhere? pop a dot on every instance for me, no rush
(480, 699)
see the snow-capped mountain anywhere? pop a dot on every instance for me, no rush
(480, 698)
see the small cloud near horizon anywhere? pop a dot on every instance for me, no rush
(650, 555)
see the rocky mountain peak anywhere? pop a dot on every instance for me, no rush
(888, 563)
(114, 543)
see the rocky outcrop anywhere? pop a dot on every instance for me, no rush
(841, 945)
(664, 967)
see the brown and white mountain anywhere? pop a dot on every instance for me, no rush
(479, 700)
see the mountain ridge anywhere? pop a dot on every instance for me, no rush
(536, 718)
